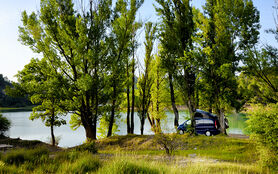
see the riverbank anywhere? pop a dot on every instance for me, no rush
(136, 153)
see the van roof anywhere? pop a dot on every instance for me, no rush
(206, 113)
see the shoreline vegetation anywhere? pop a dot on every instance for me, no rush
(29, 108)
(16, 109)
(133, 154)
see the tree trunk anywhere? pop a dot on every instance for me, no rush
(133, 96)
(176, 112)
(222, 122)
(89, 133)
(111, 121)
(158, 127)
(87, 122)
(53, 142)
(95, 117)
(128, 103)
(142, 125)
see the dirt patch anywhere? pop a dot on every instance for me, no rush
(13, 143)
(240, 136)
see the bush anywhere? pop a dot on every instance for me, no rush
(169, 142)
(4, 124)
(263, 125)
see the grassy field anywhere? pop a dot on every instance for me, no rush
(138, 154)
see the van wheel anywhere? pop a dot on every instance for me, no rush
(208, 133)
(181, 132)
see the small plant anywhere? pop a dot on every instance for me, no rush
(5, 124)
(169, 142)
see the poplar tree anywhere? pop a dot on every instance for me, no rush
(159, 95)
(145, 80)
(228, 29)
(176, 33)
(121, 37)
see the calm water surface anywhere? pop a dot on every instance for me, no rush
(24, 128)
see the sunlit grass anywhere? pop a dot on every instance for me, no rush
(139, 154)
(121, 163)
(124, 164)
(217, 147)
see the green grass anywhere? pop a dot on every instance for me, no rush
(73, 161)
(129, 165)
(216, 147)
(140, 154)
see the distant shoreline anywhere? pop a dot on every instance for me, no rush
(15, 109)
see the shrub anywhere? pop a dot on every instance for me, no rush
(169, 142)
(263, 125)
(4, 124)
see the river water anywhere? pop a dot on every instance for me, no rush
(26, 129)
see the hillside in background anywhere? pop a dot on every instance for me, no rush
(8, 101)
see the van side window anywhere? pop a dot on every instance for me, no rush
(199, 115)
(204, 121)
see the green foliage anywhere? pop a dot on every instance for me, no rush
(5, 124)
(263, 125)
(178, 53)
(145, 79)
(104, 124)
(227, 31)
(261, 75)
(159, 92)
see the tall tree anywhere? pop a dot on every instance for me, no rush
(158, 95)
(123, 25)
(46, 89)
(74, 44)
(228, 28)
(177, 31)
(168, 42)
(130, 79)
(145, 80)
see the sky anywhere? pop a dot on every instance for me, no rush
(14, 55)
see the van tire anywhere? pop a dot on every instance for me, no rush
(181, 132)
(208, 133)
